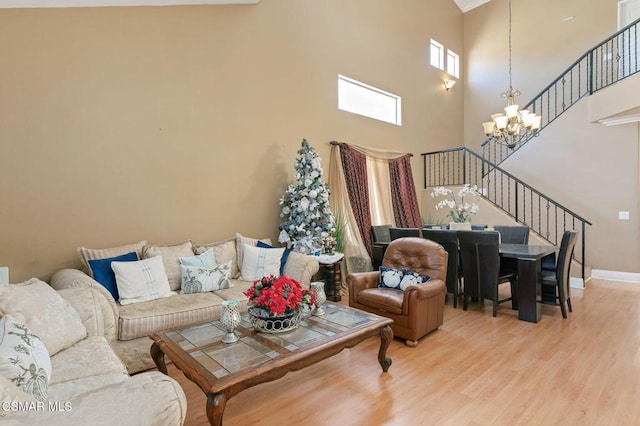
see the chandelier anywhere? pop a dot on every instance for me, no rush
(513, 126)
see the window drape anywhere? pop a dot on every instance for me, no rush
(353, 188)
(354, 166)
(403, 193)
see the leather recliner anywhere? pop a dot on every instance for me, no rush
(419, 309)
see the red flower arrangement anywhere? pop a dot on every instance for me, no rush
(278, 296)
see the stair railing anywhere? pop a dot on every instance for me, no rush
(612, 60)
(544, 216)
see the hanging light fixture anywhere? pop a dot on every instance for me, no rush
(514, 125)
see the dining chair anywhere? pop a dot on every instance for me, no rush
(555, 281)
(513, 234)
(381, 239)
(449, 241)
(481, 269)
(395, 233)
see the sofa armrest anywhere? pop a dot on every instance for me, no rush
(301, 268)
(94, 303)
(94, 309)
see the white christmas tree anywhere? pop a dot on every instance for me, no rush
(304, 207)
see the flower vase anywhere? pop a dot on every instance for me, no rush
(460, 226)
(230, 319)
(317, 288)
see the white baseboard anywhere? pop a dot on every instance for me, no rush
(615, 275)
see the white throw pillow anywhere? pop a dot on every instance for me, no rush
(241, 241)
(24, 359)
(142, 280)
(200, 279)
(44, 311)
(171, 255)
(258, 262)
(207, 259)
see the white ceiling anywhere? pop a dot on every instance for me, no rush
(92, 3)
(467, 5)
(464, 5)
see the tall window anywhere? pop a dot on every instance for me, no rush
(453, 64)
(437, 54)
(360, 98)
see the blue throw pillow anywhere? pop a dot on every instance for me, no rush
(284, 257)
(400, 279)
(103, 273)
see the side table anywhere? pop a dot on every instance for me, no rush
(330, 272)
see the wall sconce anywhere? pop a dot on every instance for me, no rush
(448, 84)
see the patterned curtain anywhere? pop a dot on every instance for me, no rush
(354, 165)
(403, 193)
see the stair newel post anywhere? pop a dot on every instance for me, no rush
(583, 260)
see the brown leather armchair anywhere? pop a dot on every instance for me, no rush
(418, 310)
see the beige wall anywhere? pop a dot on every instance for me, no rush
(174, 123)
(590, 168)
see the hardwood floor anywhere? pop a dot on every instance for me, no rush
(474, 370)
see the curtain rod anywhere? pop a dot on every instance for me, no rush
(338, 143)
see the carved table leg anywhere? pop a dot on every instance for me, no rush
(215, 408)
(386, 336)
(158, 358)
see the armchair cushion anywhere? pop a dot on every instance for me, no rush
(385, 300)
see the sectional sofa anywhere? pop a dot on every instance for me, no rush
(127, 326)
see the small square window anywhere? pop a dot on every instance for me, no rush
(453, 64)
(437, 54)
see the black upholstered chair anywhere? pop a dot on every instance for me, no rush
(478, 227)
(449, 241)
(435, 226)
(513, 234)
(555, 282)
(381, 239)
(481, 269)
(396, 233)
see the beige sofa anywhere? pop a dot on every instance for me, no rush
(127, 327)
(88, 383)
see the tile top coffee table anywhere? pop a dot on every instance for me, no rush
(223, 370)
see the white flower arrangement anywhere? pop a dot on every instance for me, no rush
(459, 210)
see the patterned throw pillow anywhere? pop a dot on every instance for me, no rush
(400, 279)
(201, 279)
(24, 359)
(141, 281)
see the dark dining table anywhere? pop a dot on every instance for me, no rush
(529, 271)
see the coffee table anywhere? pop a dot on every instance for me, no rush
(223, 370)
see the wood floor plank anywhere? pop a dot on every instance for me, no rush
(474, 370)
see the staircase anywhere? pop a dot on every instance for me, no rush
(526, 205)
(609, 62)
(614, 59)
